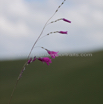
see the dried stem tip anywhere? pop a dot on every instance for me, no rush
(60, 6)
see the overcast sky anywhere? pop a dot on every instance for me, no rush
(21, 22)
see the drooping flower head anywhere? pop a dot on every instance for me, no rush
(63, 32)
(45, 59)
(66, 20)
(52, 53)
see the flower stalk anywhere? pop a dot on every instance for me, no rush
(44, 59)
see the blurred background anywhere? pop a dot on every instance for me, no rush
(76, 76)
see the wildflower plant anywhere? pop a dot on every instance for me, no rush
(46, 60)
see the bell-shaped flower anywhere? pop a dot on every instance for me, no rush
(45, 59)
(52, 53)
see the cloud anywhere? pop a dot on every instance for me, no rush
(21, 21)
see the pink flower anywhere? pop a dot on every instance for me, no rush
(29, 61)
(63, 32)
(66, 20)
(45, 59)
(52, 53)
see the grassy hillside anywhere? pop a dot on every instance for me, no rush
(68, 80)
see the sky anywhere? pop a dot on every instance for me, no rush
(21, 22)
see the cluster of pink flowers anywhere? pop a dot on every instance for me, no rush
(44, 59)
(53, 54)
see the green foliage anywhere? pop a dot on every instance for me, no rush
(68, 80)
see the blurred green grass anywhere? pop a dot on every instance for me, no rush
(68, 80)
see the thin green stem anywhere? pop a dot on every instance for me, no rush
(40, 35)
(13, 91)
(28, 58)
(30, 53)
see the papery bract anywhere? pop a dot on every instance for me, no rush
(52, 53)
(45, 59)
